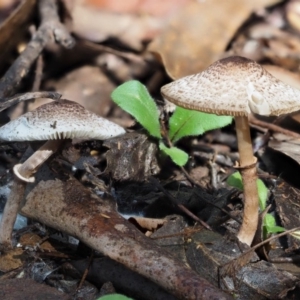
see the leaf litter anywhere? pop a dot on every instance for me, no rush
(81, 192)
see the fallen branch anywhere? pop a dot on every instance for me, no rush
(69, 207)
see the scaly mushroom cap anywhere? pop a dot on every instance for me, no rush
(233, 86)
(61, 119)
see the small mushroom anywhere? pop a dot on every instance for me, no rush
(52, 122)
(237, 86)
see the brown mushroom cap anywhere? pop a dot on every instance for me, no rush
(233, 86)
(61, 119)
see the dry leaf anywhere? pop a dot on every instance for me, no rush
(197, 35)
(88, 86)
(99, 25)
(147, 223)
(290, 148)
(153, 7)
(11, 260)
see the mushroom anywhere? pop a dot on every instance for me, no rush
(237, 86)
(53, 122)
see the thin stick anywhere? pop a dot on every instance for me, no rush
(86, 271)
(273, 127)
(8, 102)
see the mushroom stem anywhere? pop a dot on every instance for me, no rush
(10, 212)
(249, 176)
(23, 173)
(31, 165)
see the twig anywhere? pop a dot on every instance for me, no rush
(38, 74)
(272, 238)
(86, 271)
(126, 55)
(273, 127)
(50, 29)
(230, 193)
(240, 261)
(180, 206)
(8, 102)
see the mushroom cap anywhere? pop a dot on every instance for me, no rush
(233, 86)
(62, 119)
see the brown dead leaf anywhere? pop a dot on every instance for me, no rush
(284, 52)
(290, 148)
(149, 224)
(98, 25)
(88, 86)
(33, 240)
(11, 260)
(152, 7)
(197, 35)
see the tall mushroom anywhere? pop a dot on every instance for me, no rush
(237, 86)
(52, 122)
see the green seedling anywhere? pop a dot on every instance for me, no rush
(133, 97)
(235, 180)
(114, 297)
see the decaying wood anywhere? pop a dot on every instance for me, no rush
(69, 207)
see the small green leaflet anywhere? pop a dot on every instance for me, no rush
(114, 297)
(185, 122)
(133, 97)
(178, 156)
(270, 224)
(235, 180)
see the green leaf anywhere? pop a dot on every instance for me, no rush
(235, 180)
(269, 220)
(275, 229)
(114, 297)
(178, 156)
(270, 224)
(133, 97)
(185, 122)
